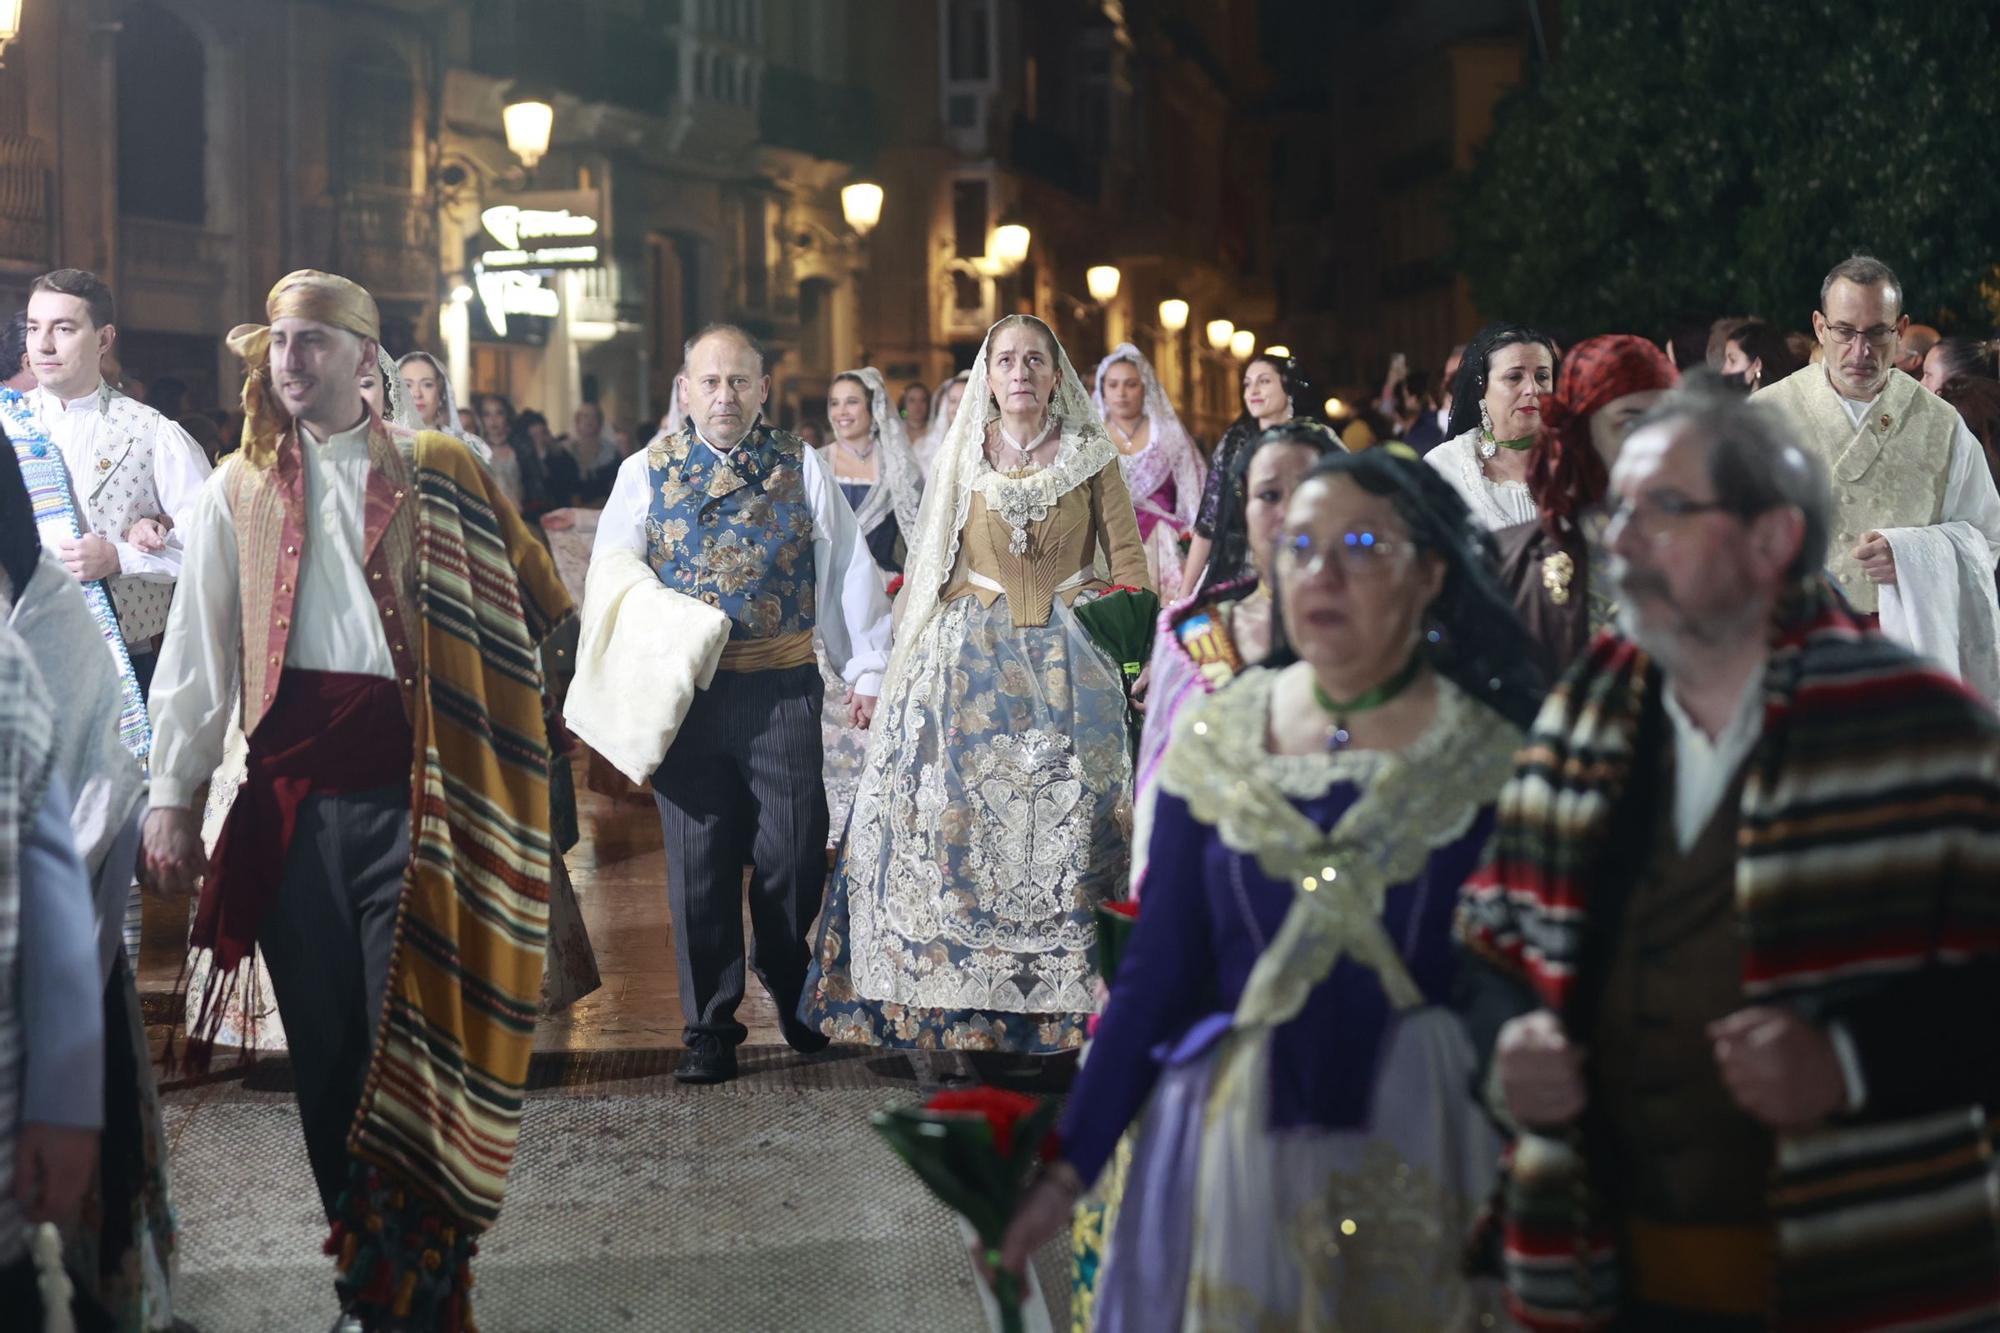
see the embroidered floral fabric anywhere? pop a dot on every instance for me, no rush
(992, 818)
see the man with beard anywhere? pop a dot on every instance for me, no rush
(376, 607)
(1736, 938)
(1915, 526)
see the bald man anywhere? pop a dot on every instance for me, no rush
(746, 518)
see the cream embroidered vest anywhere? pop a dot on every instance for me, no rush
(115, 492)
(1889, 472)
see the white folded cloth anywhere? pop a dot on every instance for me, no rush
(641, 654)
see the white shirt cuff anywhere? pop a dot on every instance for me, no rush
(868, 683)
(1850, 1066)
(167, 793)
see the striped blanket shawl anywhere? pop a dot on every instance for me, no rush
(441, 1108)
(1869, 850)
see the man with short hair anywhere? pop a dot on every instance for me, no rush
(1734, 948)
(1918, 339)
(14, 355)
(134, 474)
(377, 606)
(731, 512)
(1916, 518)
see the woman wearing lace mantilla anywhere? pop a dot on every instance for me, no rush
(873, 465)
(1310, 1157)
(1162, 469)
(993, 813)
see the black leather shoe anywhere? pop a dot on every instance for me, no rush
(709, 1059)
(801, 1036)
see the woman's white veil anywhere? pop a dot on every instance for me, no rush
(1169, 450)
(960, 467)
(447, 407)
(934, 433)
(1169, 453)
(899, 485)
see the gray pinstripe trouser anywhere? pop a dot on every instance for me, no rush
(742, 785)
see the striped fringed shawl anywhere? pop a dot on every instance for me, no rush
(1869, 848)
(442, 1105)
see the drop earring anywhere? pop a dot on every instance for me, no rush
(1487, 445)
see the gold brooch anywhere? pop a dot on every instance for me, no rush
(1557, 571)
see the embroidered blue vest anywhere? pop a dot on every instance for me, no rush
(736, 532)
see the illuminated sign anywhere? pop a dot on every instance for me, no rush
(503, 294)
(558, 229)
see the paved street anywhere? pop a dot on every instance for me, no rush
(636, 1203)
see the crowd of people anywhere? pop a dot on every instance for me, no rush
(1561, 812)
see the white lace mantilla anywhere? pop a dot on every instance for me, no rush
(1495, 504)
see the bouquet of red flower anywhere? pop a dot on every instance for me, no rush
(976, 1150)
(1115, 923)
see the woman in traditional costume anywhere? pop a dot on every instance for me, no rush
(427, 391)
(1162, 468)
(1224, 625)
(1203, 643)
(872, 463)
(1507, 373)
(1555, 566)
(1275, 389)
(994, 811)
(1310, 1155)
(944, 408)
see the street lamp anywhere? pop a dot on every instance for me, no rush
(1335, 408)
(1173, 314)
(1242, 343)
(1219, 331)
(10, 24)
(861, 205)
(529, 116)
(1007, 247)
(1279, 350)
(1102, 280)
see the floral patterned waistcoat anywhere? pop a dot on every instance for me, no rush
(735, 531)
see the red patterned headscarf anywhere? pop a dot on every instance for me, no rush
(1565, 473)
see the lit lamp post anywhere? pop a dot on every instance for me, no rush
(1173, 315)
(1242, 343)
(1008, 246)
(861, 205)
(1219, 332)
(1278, 350)
(10, 25)
(529, 116)
(1102, 282)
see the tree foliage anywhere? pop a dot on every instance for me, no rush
(1681, 159)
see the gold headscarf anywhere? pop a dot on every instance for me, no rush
(307, 294)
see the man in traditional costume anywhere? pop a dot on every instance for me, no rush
(51, 1032)
(1916, 518)
(1740, 932)
(747, 519)
(133, 474)
(378, 605)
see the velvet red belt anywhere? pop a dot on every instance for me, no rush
(328, 733)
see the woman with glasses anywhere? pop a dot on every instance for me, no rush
(1553, 566)
(1507, 374)
(1309, 1154)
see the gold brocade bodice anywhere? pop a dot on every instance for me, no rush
(1061, 550)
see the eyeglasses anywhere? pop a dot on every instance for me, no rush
(1844, 334)
(1652, 519)
(1359, 555)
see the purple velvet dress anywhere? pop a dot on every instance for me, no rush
(1339, 1191)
